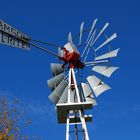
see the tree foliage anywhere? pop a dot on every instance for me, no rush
(11, 114)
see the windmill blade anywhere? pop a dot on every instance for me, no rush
(100, 62)
(64, 96)
(56, 68)
(93, 80)
(56, 94)
(96, 62)
(81, 32)
(55, 81)
(108, 55)
(100, 89)
(70, 38)
(93, 25)
(86, 89)
(107, 41)
(88, 99)
(89, 41)
(104, 70)
(60, 52)
(88, 93)
(103, 29)
(87, 45)
(97, 86)
(92, 40)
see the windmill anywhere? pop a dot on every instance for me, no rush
(75, 84)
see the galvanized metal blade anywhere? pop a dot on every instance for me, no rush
(103, 29)
(64, 96)
(55, 81)
(108, 55)
(86, 89)
(70, 38)
(100, 89)
(81, 33)
(56, 94)
(93, 25)
(93, 37)
(107, 41)
(56, 68)
(104, 70)
(93, 81)
(88, 44)
(97, 85)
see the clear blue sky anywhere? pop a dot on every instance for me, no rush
(24, 74)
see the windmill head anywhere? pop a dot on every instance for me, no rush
(70, 55)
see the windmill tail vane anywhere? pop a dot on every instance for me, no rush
(15, 38)
(90, 51)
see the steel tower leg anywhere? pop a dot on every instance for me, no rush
(68, 120)
(67, 128)
(72, 82)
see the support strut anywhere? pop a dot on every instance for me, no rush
(73, 89)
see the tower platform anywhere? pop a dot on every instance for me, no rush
(64, 108)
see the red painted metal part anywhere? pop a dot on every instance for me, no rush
(73, 59)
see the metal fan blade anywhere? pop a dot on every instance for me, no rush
(103, 29)
(86, 89)
(56, 68)
(100, 89)
(93, 81)
(55, 81)
(56, 94)
(104, 70)
(100, 61)
(108, 55)
(94, 63)
(97, 86)
(88, 99)
(107, 41)
(64, 96)
(60, 52)
(88, 43)
(93, 37)
(93, 25)
(70, 38)
(81, 32)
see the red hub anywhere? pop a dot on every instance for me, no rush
(70, 55)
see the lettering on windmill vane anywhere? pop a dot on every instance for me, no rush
(11, 36)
